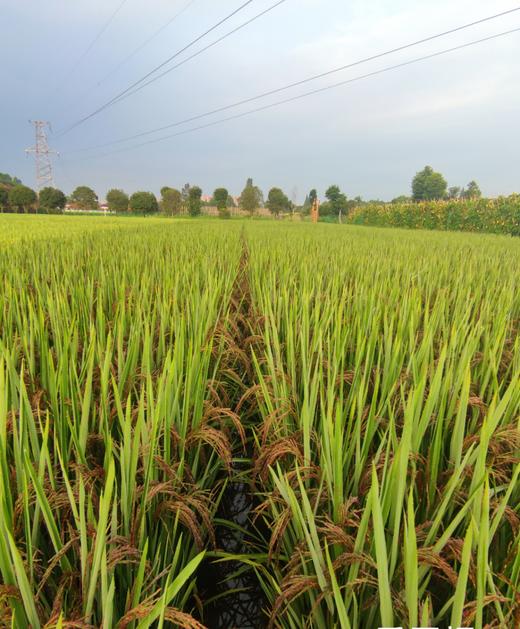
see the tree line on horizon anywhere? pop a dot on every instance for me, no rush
(427, 185)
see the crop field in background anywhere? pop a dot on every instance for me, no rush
(357, 388)
(19, 227)
(493, 216)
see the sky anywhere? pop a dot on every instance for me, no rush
(61, 60)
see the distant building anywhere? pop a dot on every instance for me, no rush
(74, 208)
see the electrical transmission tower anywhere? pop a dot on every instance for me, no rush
(42, 155)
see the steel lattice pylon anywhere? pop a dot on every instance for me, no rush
(42, 155)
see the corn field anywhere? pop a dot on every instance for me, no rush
(495, 216)
(358, 388)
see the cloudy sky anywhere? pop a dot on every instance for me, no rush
(459, 112)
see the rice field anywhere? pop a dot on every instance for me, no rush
(358, 389)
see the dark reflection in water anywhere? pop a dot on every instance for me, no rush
(230, 592)
(240, 599)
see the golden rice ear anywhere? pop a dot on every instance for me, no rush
(185, 515)
(429, 557)
(216, 439)
(278, 533)
(291, 588)
(224, 416)
(123, 553)
(218, 393)
(356, 559)
(470, 609)
(335, 534)
(250, 392)
(271, 454)
(171, 614)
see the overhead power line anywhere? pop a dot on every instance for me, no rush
(202, 50)
(289, 86)
(95, 40)
(146, 42)
(156, 69)
(88, 91)
(307, 94)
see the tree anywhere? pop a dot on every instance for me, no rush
(454, 192)
(185, 192)
(472, 191)
(309, 201)
(194, 203)
(85, 198)
(144, 202)
(401, 199)
(251, 198)
(312, 197)
(4, 198)
(428, 185)
(22, 197)
(221, 196)
(117, 200)
(277, 202)
(171, 201)
(8, 180)
(337, 200)
(52, 199)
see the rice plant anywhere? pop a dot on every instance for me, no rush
(388, 452)
(372, 377)
(111, 440)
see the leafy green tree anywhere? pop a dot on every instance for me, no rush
(309, 201)
(52, 199)
(4, 198)
(22, 198)
(472, 191)
(144, 202)
(325, 209)
(85, 198)
(194, 203)
(117, 200)
(251, 198)
(401, 199)
(221, 196)
(171, 201)
(277, 201)
(454, 192)
(185, 192)
(428, 185)
(337, 200)
(8, 180)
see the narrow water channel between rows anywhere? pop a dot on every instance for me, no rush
(230, 591)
